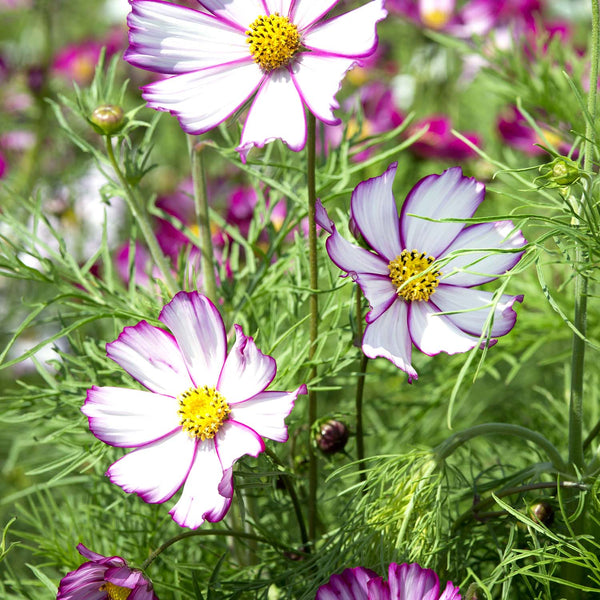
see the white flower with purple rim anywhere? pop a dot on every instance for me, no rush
(405, 582)
(419, 277)
(104, 578)
(281, 52)
(204, 409)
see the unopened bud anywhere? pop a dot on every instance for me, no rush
(332, 436)
(473, 592)
(108, 119)
(542, 512)
(562, 171)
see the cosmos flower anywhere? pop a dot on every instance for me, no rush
(281, 53)
(405, 582)
(204, 409)
(104, 578)
(419, 267)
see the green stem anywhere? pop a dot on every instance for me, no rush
(314, 319)
(203, 218)
(447, 447)
(205, 532)
(288, 482)
(142, 221)
(360, 387)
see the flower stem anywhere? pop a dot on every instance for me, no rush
(205, 532)
(360, 386)
(447, 447)
(314, 319)
(203, 218)
(142, 221)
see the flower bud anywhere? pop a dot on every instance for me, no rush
(332, 436)
(108, 119)
(542, 512)
(473, 592)
(560, 172)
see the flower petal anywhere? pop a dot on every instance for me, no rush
(412, 581)
(129, 418)
(351, 584)
(151, 356)
(319, 79)
(433, 333)
(378, 589)
(266, 413)
(374, 211)
(202, 99)
(200, 498)
(276, 113)
(239, 12)
(156, 471)
(351, 34)
(234, 440)
(279, 6)
(475, 307)
(388, 336)
(379, 291)
(451, 592)
(168, 38)
(481, 267)
(306, 12)
(247, 371)
(200, 333)
(449, 195)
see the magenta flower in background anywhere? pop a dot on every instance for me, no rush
(203, 410)
(281, 54)
(439, 143)
(405, 582)
(419, 268)
(104, 578)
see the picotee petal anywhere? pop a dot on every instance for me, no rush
(129, 418)
(155, 472)
(247, 371)
(200, 498)
(202, 99)
(276, 113)
(445, 196)
(152, 356)
(306, 12)
(200, 334)
(379, 291)
(374, 211)
(412, 582)
(351, 584)
(352, 34)
(168, 38)
(233, 440)
(238, 12)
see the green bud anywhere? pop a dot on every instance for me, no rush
(562, 171)
(107, 119)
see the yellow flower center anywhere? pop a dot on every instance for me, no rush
(273, 41)
(115, 592)
(412, 277)
(202, 411)
(435, 19)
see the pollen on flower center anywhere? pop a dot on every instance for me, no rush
(115, 592)
(202, 411)
(410, 276)
(435, 19)
(273, 41)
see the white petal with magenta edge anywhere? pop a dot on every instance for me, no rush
(129, 418)
(203, 99)
(379, 291)
(233, 440)
(156, 471)
(306, 12)
(200, 333)
(239, 12)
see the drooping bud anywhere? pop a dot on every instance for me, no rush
(562, 171)
(542, 512)
(331, 436)
(108, 119)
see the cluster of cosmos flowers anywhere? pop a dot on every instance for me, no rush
(204, 407)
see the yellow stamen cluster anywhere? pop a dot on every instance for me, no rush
(202, 411)
(115, 592)
(435, 19)
(273, 41)
(410, 276)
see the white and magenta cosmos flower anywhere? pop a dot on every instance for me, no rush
(204, 409)
(104, 578)
(281, 52)
(420, 268)
(405, 582)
